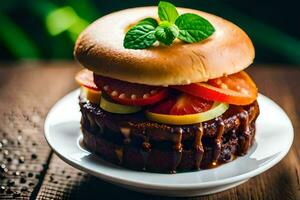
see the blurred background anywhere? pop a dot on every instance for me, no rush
(47, 29)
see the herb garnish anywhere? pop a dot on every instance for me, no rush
(187, 27)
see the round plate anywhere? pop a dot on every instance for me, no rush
(274, 138)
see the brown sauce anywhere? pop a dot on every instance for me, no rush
(215, 129)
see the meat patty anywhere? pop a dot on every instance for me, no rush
(137, 143)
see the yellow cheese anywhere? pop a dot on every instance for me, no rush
(117, 108)
(91, 95)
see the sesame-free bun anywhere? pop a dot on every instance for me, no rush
(100, 49)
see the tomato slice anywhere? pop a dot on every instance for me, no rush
(188, 104)
(130, 93)
(85, 78)
(165, 106)
(237, 89)
(182, 105)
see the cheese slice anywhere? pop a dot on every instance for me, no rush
(91, 95)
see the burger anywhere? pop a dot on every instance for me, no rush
(163, 89)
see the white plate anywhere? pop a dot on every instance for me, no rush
(273, 140)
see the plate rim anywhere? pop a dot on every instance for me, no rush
(140, 184)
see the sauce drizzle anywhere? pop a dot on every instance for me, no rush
(198, 147)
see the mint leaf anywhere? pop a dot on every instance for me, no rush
(148, 21)
(187, 27)
(193, 28)
(142, 35)
(166, 32)
(167, 12)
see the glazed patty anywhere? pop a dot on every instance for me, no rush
(97, 120)
(214, 141)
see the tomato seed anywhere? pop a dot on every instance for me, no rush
(106, 87)
(122, 96)
(153, 91)
(114, 93)
(145, 96)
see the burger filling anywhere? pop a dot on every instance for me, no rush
(171, 128)
(175, 105)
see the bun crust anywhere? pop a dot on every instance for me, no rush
(100, 49)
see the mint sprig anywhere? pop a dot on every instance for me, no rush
(142, 35)
(167, 12)
(187, 27)
(193, 28)
(166, 32)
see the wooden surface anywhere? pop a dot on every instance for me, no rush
(30, 170)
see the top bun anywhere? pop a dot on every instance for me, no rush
(100, 49)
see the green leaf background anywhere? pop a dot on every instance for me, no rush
(47, 29)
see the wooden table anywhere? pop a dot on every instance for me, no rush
(29, 169)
